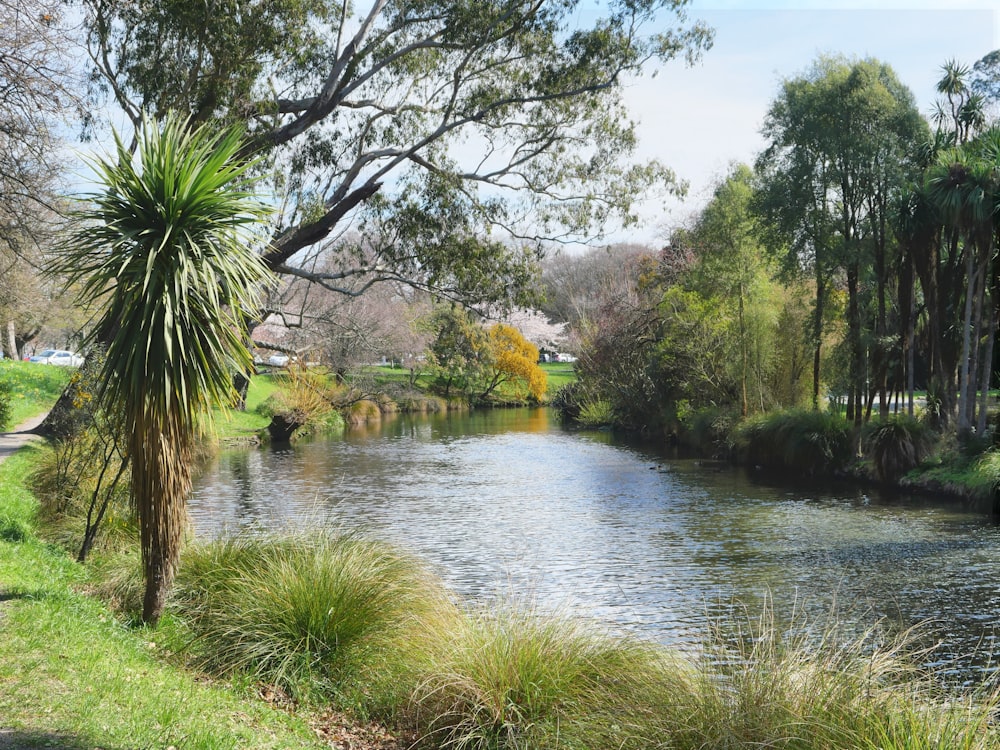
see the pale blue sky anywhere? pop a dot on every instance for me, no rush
(698, 120)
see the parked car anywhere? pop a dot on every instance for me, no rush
(278, 360)
(57, 357)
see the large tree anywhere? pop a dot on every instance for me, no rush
(453, 135)
(36, 92)
(165, 248)
(840, 140)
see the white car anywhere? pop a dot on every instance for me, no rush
(278, 360)
(57, 357)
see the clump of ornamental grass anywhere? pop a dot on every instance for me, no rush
(319, 615)
(767, 686)
(596, 413)
(363, 410)
(512, 678)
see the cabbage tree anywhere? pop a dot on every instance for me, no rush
(165, 247)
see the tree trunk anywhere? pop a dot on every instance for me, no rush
(818, 336)
(987, 369)
(854, 336)
(161, 482)
(744, 356)
(11, 343)
(964, 375)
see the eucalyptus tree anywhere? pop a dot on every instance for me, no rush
(454, 136)
(165, 248)
(839, 140)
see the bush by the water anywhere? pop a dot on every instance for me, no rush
(6, 408)
(897, 446)
(808, 443)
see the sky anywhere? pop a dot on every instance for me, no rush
(699, 120)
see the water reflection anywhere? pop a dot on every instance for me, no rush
(504, 501)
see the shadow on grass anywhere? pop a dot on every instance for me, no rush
(13, 739)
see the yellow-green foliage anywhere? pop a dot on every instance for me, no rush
(517, 359)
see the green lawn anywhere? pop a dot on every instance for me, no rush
(558, 374)
(33, 387)
(73, 676)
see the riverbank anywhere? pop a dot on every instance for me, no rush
(476, 675)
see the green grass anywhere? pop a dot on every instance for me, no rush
(558, 374)
(33, 387)
(236, 424)
(71, 675)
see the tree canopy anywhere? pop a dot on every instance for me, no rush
(452, 137)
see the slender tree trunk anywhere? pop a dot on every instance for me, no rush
(818, 335)
(744, 405)
(854, 336)
(987, 358)
(11, 343)
(977, 333)
(161, 481)
(964, 376)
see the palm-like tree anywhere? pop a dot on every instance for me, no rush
(963, 185)
(165, 246)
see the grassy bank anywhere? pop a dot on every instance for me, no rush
(73, 676)
(326, 625)
(30, 388)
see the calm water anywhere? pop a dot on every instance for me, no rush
(506, 502)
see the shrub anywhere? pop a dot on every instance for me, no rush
(83, 482)
(897, 446)
(709, 431)
(305, 399)
(6, 408)
(809, 443)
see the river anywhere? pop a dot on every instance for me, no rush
(506, 503)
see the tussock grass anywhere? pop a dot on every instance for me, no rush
(362, 411)
(512, 678)
(768, 686)
(338, 619)
(897, 446)
(317, 614)
(596, 413)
